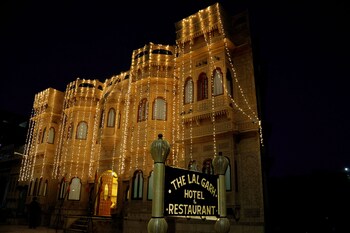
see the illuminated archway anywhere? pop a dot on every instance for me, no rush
(107, 193)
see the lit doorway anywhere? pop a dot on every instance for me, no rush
(107, 193)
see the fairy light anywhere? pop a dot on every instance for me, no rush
(136, 107)
(95, 153)
(115, 87)
(165, 78)
(145, 142)
(174, 91)
(27, 145)
(31, 151)
(122, 154)
(208, 43)
(228, 54)
(136, 110)
(75, 160)
(46, 144)
(71, 101)
(42, 100)
(182, 155)
(90, 107)
(61, 131)
(94, 138)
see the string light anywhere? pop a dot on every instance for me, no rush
(174, 93)
(211, 67)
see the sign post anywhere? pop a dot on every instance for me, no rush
(222, 224)
(160, 150)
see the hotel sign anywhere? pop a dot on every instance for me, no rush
(189, 193)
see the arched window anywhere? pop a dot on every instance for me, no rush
(43, 135)
(159, 109)
(229, 83)
(119, 119)
(39, 136)
(188, 91)
(218, 85)
(236, 175)
(35, 189)
(150, 186)
(228, 176)
(44, 189)
(74, 189)
(82, 130)
(51, 137)
(101, 119)
(192, 166)
(30, 193)
(111, 118)
(202, 87)
(70, 131)
(39, 187)
(208, 167)
(105, 192)
(63, 189)
(143, 110)
(137, 185)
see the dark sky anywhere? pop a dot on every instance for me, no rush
(302, 45)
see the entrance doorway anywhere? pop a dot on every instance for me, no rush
(107, 193)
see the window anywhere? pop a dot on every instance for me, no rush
(39, 187)
(39, 137)
(228, 176)
(150, 186)
(51, 137)
(82, 130)
(74, 189)
(236, 176)
(229, 83)
(105, 192)
(202, 86)
(44, 190)
(188, 91)
(119, 119)
(30, 193)
(137, 185)
(63, 189)
(111, 118)
(192, 166)
(159, 109)
(35, 189)
(43, 135)
(101, 119)
(218, 85)
(162, 51)
(208, 167)
(143, 110)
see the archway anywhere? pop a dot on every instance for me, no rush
(107, 193)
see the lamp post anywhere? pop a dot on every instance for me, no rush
(160, 150)
(220, 163)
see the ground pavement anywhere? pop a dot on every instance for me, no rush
(25, 229)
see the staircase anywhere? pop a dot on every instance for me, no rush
(81, 225)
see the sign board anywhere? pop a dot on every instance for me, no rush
(188, 193)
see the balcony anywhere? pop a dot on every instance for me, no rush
(205, 108)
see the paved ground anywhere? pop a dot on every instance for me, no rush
(25, 229)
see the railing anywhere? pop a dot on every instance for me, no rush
(205, 107)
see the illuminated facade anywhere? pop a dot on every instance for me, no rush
(87, 149)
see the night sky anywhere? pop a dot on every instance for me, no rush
(302, 49)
